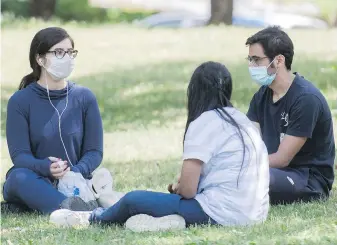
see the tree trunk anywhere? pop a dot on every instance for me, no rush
(221, 12)
(42, 8)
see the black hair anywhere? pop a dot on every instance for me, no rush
(274, 42)
(210, 88)
(41, 43)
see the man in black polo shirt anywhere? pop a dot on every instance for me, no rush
(294, 119)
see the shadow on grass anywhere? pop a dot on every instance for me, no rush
(154, 175)
(307, 224)
(156, 95)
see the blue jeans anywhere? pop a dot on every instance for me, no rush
(289, 185)
(24, 186)
(155, 204)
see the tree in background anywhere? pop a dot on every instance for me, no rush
(42, 8)
(221, 12)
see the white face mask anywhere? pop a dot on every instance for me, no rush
(60, 68)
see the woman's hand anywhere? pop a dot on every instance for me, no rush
(173, 188)
(54, 159)
(58, 168)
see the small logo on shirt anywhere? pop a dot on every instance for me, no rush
(285, 117)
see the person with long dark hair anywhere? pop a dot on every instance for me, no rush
(53, 126)
(224, 177)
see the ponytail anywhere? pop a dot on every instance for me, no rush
(28, 79)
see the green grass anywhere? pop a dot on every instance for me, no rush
(140, 78)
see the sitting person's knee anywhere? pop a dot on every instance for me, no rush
(275, 175)
(131, 197)
(20, 176)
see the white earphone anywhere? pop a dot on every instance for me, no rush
(59, 121)
(58, 113)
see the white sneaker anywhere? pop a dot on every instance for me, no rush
(101, 182)
(68, 218)
(101, 186)
(144, 222)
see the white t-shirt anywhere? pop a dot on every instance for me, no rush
(217, 144)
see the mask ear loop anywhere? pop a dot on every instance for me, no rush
(270, 65)
(59, 117)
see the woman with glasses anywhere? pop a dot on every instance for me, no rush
(53, 126)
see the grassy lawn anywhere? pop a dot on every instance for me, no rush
(140, 78)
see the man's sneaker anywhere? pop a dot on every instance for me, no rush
(144, 222)
(77, 204)
(68, 218)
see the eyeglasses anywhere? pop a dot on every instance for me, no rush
(255, 60)
(60, 53)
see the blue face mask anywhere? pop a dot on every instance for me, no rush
(260, 75)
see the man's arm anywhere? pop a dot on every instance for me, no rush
(252, 113)
(287, 150)
(302, 121)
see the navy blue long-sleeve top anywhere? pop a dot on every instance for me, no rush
(32, 129)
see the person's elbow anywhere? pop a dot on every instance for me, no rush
(188, 195)
(278, 160)
(18, 160)
(284, 164)
(96, 157)
(285, 159)
(187, 192)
